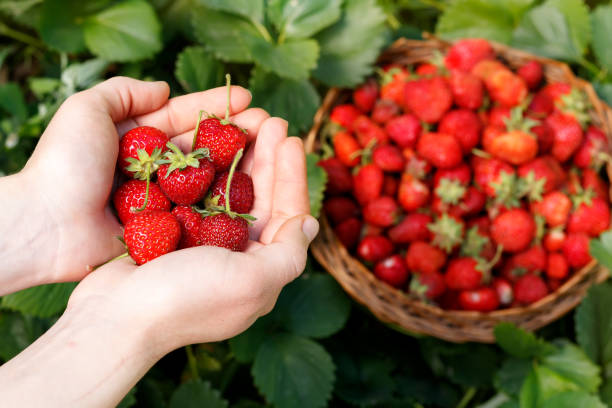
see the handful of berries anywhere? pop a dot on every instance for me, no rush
(465, 182)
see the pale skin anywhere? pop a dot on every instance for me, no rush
(121, 318)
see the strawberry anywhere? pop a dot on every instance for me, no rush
(489, 135)
(404, 130)
(427, 69)
(554, 240)
(440, 149)
(365, 96)
(541, 105)
(529, 289)
(513, 229)
(477, 242)
(368, 183)
(392, 270)
(424, 258)
(381, 212)
(592, 180)
(545, 137)
(223, 230)
(339, 209)
(488, 172)
(151, 143)
(348, 232)
(389, 158)
(416, 165)
(447, 232)
(344, 115)
(557, 266)
(412, 228)
(556, 91)
(576, 250)
(428, 285)
(241, 192)
(482, 299)
(371, 230)
(369, 133)
(467, 90)
(393, 81)
(554, 207)
(590, 216)
(544, 168)
(533, 259)
(567, 135)
(532, 74)
(464, 125)
(428, 98)
(185, 178)
(448, 193)
(384, 111)
(469, 273)
(461, 173)
(516, 147)
(347, 148)
(486, 68)
(150, 234)
(594, 150)
(390, 186)
(464, 54)
(374, 248)
(132, 196)
(506, 88)
(554, 284)
(504, 290)
(339, 178)
(190, 222)
(412, 193)
(498, 116)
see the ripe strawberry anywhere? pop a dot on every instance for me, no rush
(469, 273)
(531, 260)
(384, 111)
(428, 98)
(190, 222)
(339, 209)
(554, 240)
(506, 88)
(567, 134)
(225, 231)
(151, 142)
(594, 150)
(498, 116)
(447, 232)
(592, 180)
(381, 212)
(448, 193)
(369, 133)
(541, 105)
(486, 68)
(424, 258)
(416, 165)
(513, 229)
(532, 74)
(348, 232)
(185, 178)
(404, 130)
(150, 234)
(371, 230)
(339, 178)
(591, 216)
(477, 242)
(504, 290)
(516, 147)
(392, 270)
(481, 299)
(488, 172)
(241, 192)
(554, 207)
(412, 193)
(467, 90)
(131, 196)
(393, 81)
(347, 149)
(440, 149)
(368, 183)
(464, 125)
(344, 115)
(412, 228)
(557, 266)
(461, 173)
(389, 158)
(576, 250)
(556, 91)
(464, 54)
(529, 289)
(544, 168)
(390, 186)
(554, 284)
(427, 69)
(222, 138)
(365, 96)
(545, 137)
(374, 248)
(428, 285)
(489, 135)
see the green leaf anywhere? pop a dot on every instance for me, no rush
(5, 52)
(197, 394)
(128, 31)
(350, 47)
(577, 14)
(512, 374)
(570, 362)
(18, 331)
(83, 75)
(302, 19)
(251, 9)
(545, 31)
(25, 12)
(12, 101)
(293, 371)
(317, 179)
(530, 391)
(40, 301)
(604, 90)
(198, 70)
(313, 306)
(519, 343)
(551, 383)
(292, 60)
(601, 249)
(245, 345)
(601, 21)
(573, 399)
(43, 86)
(293, 100)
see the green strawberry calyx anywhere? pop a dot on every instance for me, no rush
(179, 161)
(448, 232)
(450, 191)
(145, 164)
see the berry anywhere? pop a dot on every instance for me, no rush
(190, 222)
(469, 273)
(381, 212)
(440, 149)
(338, 209)
(576, 250)
(567, 135)
(368, 183)
(221, 230)
(404, 130)
(347, 149)
(592, 180)
(344, 115)
(529, 289)
(150, 234)
(390, 186)
(513, 229)
(412, 228)
(389, 158)
(530, 260)
(428, 98)
(461, 173)
(488, 172)
(392, 270)
(554, 240)
(557, 266)
(374, 248)
(464, 125)
(339, 178)
(499, 115)
(384, 111)
(481, 299)
(591, 216)
(467, 90)
(504, 290)
(365, 96)
(516, 147)
(241, 192)
(131, 196)
(412, 193)
(532, 74)
(594, 150)
(393, 82)
(545, 168)
(348, 232)
(428, 285)
(447, 232)
(424, 258)
(554, 207)
(368, 132)
(144, 138)
(465, 54)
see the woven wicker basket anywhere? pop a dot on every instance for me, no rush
(401, 309)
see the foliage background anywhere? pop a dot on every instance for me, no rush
(316, 348)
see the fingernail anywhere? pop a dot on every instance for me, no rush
(250, 93)
(310, 227)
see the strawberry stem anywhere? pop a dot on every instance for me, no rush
(229, 180)
(228, 81)
(197, 129)
(146, 201)
(123, 255)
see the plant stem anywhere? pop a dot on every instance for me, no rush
(393, 21)
(197, 129)
(192, 362)
(230, 175)
(467, 397)
(228, 81)
(589, 66)
(123, 255)
(146, 201)
(262, 30)
(435, 4)
(19, 36)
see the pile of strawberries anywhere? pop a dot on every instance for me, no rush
(158, 203)
(467, 183)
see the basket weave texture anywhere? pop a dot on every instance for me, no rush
(402, 309)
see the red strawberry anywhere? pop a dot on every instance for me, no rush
(390, 186)
(150, 234)
(339, 178)
(576, 250)
(468, 273)
(481, 299)
(529, 289)
(222, 139)
(447, 232)
(428, 98)
(389, 158)
(556, 91)
(594, 151)
(448, 193)
(489, 135)
(554, 240)
(130, 196)
(461, 173)
(347, 149)
(533, 259)
(404, 130)
(486, 68)
(428, 285)
(413, 193)
(147, 139)
(488, 172)
(369, 133)
(464, 125)
(368, 183)
(467, 90)
(185, 178)
(545, 137)
(416, 165)
(477, 242)
(546, 168)
(374, 248)
(464, 54)
(513, 229)
(344, 115)
(190, 222)
(393, 81)
(384, 111)
(371, 230)
(339, 209)
(221, 230)
(516, 147)
(592, 180)
(392, 270)
(381, 212)
(554, 207)
(532, 74)
(498, 116)
(472, 202)
(241, 192)
(504, 290)
(557, 266)
(541, 105)
(424, 258)
(348, 232)
(591, 216)
(567, 134)
(440, 149)
(506, 88)
(365, 96)
(412, 228)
